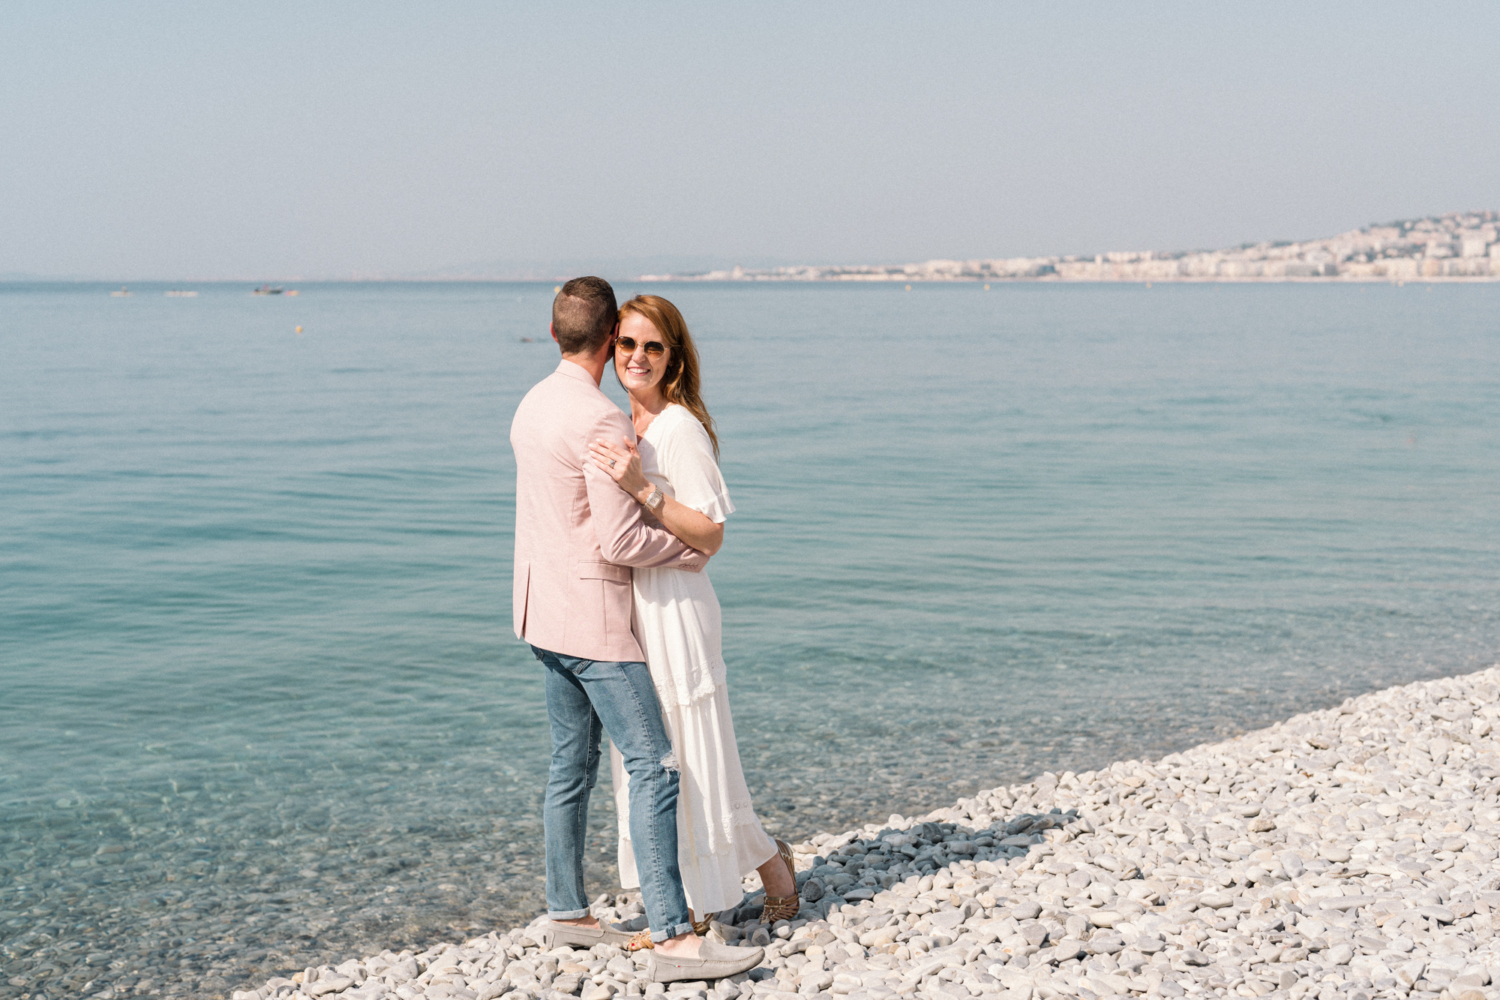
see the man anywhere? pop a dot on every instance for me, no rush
(577, 535)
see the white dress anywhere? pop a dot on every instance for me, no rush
(676, 620)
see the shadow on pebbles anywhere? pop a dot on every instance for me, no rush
(1347, 853)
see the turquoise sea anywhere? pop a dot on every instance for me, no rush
(260, 705)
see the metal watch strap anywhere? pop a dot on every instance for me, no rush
(655, 499)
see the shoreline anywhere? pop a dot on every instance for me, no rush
(1055, 279)
(1344, 854)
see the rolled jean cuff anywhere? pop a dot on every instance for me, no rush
(657, 937)
(567, 914)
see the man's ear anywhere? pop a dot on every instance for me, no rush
(552, 332)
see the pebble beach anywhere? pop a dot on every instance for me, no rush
(1344, 854)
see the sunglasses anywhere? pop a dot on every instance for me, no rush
(653, 348)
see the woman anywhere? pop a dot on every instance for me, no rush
(673, 472)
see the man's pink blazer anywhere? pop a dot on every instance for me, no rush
(577, 532)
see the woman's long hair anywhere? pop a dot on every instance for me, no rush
(679, 383)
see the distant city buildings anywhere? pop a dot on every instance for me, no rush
(1457, 246)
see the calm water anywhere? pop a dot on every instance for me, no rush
(259, 701)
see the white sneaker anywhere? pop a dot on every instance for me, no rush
(555, 934)
(713, 961)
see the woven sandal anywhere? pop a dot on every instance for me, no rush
(782, 907)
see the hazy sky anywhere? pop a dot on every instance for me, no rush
(180, 140)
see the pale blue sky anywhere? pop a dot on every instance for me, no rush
(181, 140)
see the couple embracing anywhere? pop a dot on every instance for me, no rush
(616, 518)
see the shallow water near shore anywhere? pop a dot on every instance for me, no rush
(262, 707)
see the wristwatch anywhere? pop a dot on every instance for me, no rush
(654, 501)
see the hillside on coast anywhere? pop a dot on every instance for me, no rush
(1456, 246)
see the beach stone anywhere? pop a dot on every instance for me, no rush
(1033, 933)
(1105, 943)
(947, 919)
(1066, 949)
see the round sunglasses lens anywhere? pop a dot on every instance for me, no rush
(653, 349)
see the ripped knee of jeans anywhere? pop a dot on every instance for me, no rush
(669, 763)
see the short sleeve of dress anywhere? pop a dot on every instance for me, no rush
(687, 461)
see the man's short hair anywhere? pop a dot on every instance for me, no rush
(583, 315)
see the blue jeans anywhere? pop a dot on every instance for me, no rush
(584, 696)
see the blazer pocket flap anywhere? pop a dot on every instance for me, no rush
(602, 571)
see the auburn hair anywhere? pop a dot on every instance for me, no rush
(679, 383)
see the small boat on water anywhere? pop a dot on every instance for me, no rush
(181, 295)
(269, 290)
(123, 293)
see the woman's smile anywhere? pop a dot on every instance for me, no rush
(641, 357)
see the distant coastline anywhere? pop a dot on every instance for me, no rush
(1459, 246)
(1456, 247)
